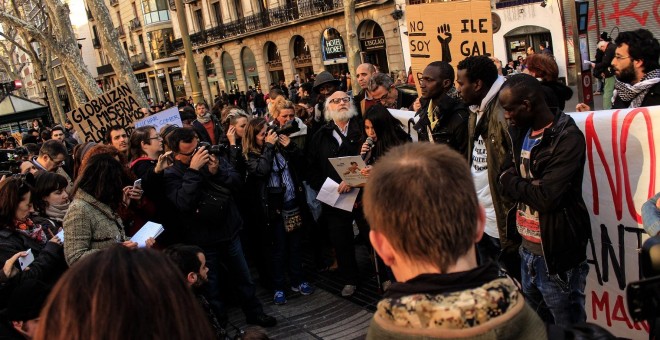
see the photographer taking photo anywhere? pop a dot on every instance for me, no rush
(202, 187)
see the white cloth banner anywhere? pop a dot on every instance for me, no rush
(169, 116)
(620, 174)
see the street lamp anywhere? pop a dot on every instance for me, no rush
(43, 81)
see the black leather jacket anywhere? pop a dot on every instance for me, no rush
(555, 192)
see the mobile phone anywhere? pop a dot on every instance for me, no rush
(138, 184)
(25, 261)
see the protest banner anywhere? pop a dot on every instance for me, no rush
(620, 174)
(167, 117)
(407, 119)
(114, 107)
(448, 31)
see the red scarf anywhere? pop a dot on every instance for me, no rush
(28, 228)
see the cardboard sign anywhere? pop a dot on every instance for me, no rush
(448, 31)
(620, 174)
(167, 117)
(18, 137)
(115, 107)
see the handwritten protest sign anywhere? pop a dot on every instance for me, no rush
(115, 107)
(620, 174)
(448, 31)
(407, 119)
(167, 117)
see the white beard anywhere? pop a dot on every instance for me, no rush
(340, 116)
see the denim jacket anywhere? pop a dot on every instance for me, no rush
(651, 215)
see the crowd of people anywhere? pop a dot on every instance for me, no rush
(490, 196)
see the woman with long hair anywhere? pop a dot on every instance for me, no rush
(385, 132)
(19, 233)
(50, 199)
(123, 294)
(272, 163)
(544, 68)
(234, 122)
(92, 222)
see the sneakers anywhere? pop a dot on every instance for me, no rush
(279, 298)
(263, 320)
(304, 288)
(348, 290)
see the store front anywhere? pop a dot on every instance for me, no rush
(372, 45)
(211, 77)
(144, 85)
(178, 88)
(228, 70)
(302, 58)
(519, 39)
(334, 52)
(249, 68)
(274, 63)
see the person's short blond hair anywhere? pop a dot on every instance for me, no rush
(421, 197)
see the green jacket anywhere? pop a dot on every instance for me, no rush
(89, 226)
(493, 311)
(494, 131)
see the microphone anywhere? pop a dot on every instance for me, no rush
(370, 143)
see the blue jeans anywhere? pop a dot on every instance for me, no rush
(558, 298)
(228, 258)
(285, 244)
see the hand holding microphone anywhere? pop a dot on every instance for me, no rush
(366, 148)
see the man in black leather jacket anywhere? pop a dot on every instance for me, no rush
(545, 181)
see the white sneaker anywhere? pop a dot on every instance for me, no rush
(348, 290)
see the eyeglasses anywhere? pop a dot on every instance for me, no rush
(620, 57)
(339, 100)
(57, 163)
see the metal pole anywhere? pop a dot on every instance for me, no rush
(187, 48)
(576, 52)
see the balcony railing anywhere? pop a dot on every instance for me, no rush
(134, 25)
(273, 17)
(138, 61)
(96, 43)
(120, 31)
(105, 69)
(114, 2)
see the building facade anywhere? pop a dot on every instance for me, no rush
(241, 44)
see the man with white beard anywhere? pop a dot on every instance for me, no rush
(341, 136)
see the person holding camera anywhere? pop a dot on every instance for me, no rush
(284, 117)
(272, 163)
(202, 187)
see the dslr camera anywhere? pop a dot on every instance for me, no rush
(643, 296)
(217, 150)
(288, 128)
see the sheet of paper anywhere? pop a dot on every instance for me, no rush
(150, 229)
(348, 168)
(60, 235)
(24, 262)
(329, 195)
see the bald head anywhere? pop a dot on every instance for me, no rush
(364, 72)
(339, 107)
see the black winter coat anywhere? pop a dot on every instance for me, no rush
(452, 125)
(259, 169)
(324, 146)
(652, 98)
(555, 192)
(185, 186)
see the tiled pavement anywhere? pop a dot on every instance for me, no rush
(324, 314)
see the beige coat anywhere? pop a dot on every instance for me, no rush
(89, 226)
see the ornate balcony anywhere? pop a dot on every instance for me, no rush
(134, 25)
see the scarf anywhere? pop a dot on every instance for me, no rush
(29, 229)
(57, 211)
(635, 93)
(205, 118)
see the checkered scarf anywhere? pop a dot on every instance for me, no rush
(635, 93)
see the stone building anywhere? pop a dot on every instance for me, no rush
(237, 44)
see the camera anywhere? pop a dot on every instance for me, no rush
(288, 128)
(217, 150)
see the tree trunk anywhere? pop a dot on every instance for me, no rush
(352, 43)
(112, 46)
(77, 92)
